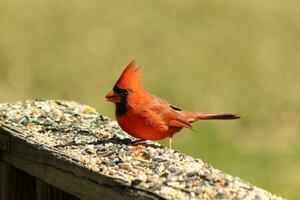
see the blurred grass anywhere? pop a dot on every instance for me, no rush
(199, 55)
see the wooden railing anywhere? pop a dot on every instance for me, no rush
(64, 150)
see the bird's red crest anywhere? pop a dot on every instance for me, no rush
(130, 77)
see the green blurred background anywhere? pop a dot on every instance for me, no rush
(200, 55)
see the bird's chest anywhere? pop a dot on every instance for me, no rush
(143, 125)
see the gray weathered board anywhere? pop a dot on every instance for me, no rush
(72, 147)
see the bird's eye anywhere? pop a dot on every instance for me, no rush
(125, 92)
(121, 92)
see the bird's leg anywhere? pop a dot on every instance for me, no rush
(170, 142)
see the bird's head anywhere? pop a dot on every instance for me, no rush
(128, 82)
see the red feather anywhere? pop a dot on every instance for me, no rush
(148, 117)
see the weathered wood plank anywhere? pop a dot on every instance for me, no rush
(4, 180)
(16, 184)
(72, 147)
(49, 192)
(67, 175)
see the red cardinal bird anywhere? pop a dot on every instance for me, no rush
(148, 117)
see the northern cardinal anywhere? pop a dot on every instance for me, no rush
(148, 117)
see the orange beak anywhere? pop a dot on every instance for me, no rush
(113, 97)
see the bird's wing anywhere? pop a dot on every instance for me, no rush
(168, 113)
(179, 122)
(168, 104)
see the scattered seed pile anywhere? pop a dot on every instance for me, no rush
(98, 143)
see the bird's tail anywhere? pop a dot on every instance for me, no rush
(194, 116)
